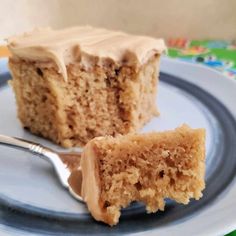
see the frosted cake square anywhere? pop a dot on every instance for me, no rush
(75, 84)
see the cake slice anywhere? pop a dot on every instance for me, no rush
(142, 167)
(75, 84)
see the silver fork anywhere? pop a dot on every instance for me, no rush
(65, 174)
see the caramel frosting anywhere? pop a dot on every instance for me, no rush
(90, 191)
(86, 45)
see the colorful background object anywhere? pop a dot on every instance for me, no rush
(216, 54)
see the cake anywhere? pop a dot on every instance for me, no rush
(146, 168)
(75, 84)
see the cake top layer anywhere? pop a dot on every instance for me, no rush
(87, 45)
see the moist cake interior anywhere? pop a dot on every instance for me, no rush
(149, 168)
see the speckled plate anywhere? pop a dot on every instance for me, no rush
(32, 202)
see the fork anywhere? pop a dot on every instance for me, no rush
(66, 175)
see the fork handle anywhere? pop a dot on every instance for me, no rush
(43, 152)
(25, 145)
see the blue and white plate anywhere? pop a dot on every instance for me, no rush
(32, 201)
